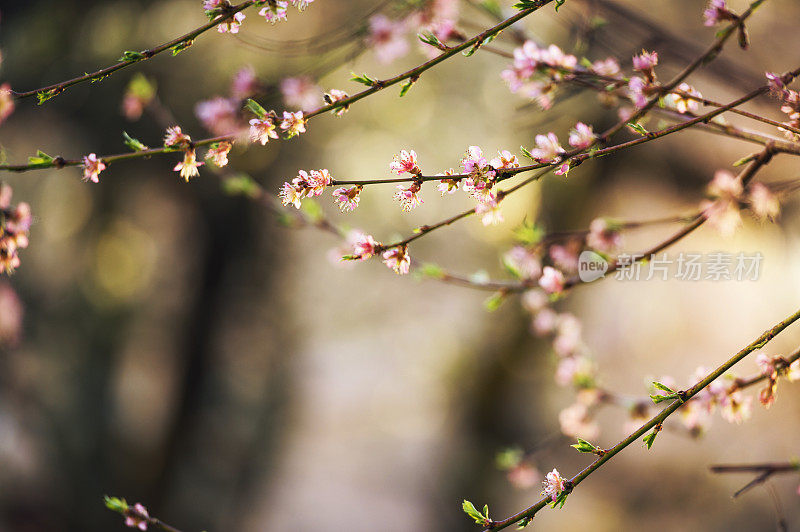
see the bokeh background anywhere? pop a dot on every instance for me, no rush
(182, 349)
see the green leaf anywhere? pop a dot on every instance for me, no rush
(116, 504)
(473, 512)
(181, 46)
(429, 38)
(527, 4)
(559, 502)
(650, 438)
(509, 458)
(46, 95)
(430, 270)
(559, 3)
(130, 55)
(364, 79)
(744, 160)
(494, 301)
(255, 108)
(132, 143)
(584, 446)
(639, 128)
(526, 153)
(525, 521)
(40, 158)
(406, 87)
(529, 233)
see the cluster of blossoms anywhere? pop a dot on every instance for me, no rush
(364, 246)
(728, 194)
(177, 139)
(388, 38)
(222, 115)
(790, 104)
(15, 224)
(273, 11)
(305, 185)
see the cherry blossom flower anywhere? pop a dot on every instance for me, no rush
(405, 161)
(575, 370)
(291, 194)
(11, 313)
(576, 421)
(505, 161)
(448, 186)
(301, 92)
(488, 208)
(348, 197)
(218, 153)
(636, 91)
(474, 162)
(554, 485)
(554, 57)
(232, 24)
(645, 63)
(188, 167)
(407, 196)
(293, 123)
(175, 138)
(552, 280)
(682, 103)
(219, 115)
(534, 300)
(397, 259)
(776, 85)
(723, 212)
(544, 322)
(736, 407)
(335, 95)
(547, 148)
(137, 517)
(316, 181)
(568, 335)
(364, 246)
(565, 256)
(301, 4)
(6, 102)
(245, 83)
(763, 202)
(608, 67)
(717, 12)
(275, 11)
(262, 129)
(92, 166)
(523, 263)
(603, 235)
(581, 136)
(523, 476)
(387, 38)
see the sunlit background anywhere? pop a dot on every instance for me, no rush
(183, 349)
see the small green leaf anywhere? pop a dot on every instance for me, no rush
(428, 37)
(526, 153)
(529, 233)
(584, 446)
(559, 502)
(116, 504)
(363, 79)
(473, 512)
(255, 108)
(509, 458)
(406, 87)
(132, 143)
(650, 438)
(744, 160)
(525, 521)
(129, 55)
(40, 158)
(46, 95)
(181, 46)
(430, 270)
(494, 301)
(639, 128)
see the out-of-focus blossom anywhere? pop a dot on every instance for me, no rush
(534, 300)
(11, 313)
(568, 336)
(387, 38)
(137, 518)
(245, 83)
(547, 148)
(397, 259)
(138, 95)
(637, 88)
(603, 235)
(793, 373)
(6, 102)
(301, 92)
(723, 212)
(274, 11)
(575, 421)
(364, 246)
(581, 136)
(736, 407)
(348, 197)
(92, 166)
(763, 202)
(523, 263)
(552, 280)
(490, 212)
(716, 12)
(523, 476)
(188, 167)
(219, 115)
(544, 322)
(608, 67)
(565, 256)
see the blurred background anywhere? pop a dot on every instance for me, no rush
(181, 348)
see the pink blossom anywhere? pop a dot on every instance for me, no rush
(776, 85)
(274, 12)
(448, 186)
(6, 102)
(301, 92)
(364, 246)
(218, 153)
(175, 138)
(218, 115)
(544, 322)
(397, 259)
(793, 374)
(262, 129)
(316, 181)
(723, 215)
(11, 312)
(407, 196)
(523, 263)
(568, 335)
(554, 57)
(574, 370)
(245, 83)
(645, 63)
(347, 197)
(474, 162)
(489, 212)
(636, 91)
(232, 24)
(576, 421)
(137, 517)
(736, 407)
(523, 476)
(565, 256)
(291, 194)
(717, 12)
(581, 136)
(387, 38)
(603, 236)
(405, 161)
(547, 148)
(682, 103)
(534, 300)
(293, 123)
(552, 280)
(92, 166)
(505, 161)
(763, 202)
(334, 96)
(188, 167)
(608, 67)
(554, 485)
